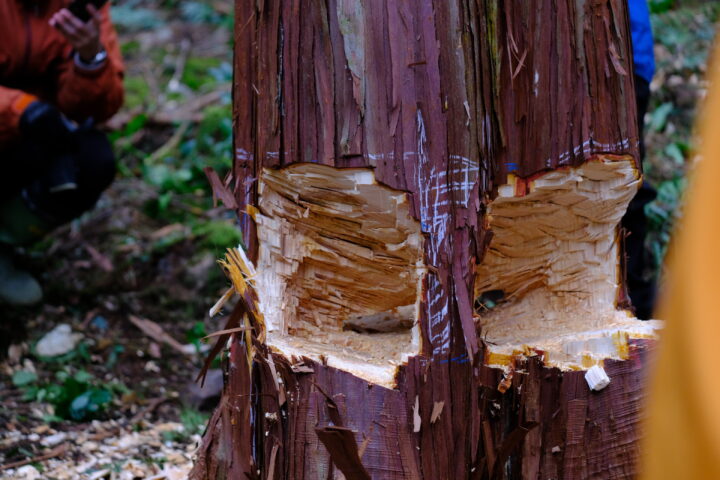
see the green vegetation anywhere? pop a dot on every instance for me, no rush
(177, 117)
(683, 37)
(193, 424)
(196, 334)
(75, 394)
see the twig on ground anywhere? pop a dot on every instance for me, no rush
(100, 260)
(191, 109)
(174, 85)
(152, 405)
(55, 452)
(157, 333)
(168, 146)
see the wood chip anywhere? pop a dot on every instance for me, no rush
(100, 260)
(222, 301)
(301, 368)
(436, 411)
(226, 331)
(417, 421)
(167, 230)
(156, 332)
(273, 456)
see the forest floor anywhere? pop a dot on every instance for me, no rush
(134, 278)
(123, 403)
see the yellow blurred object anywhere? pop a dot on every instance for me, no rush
(682, 431)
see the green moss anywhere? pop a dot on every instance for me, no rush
(137, 91)
(198, 72)
(218, 233)
(130, 48)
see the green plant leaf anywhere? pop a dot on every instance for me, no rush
(30, 393)
(83, 376)
(675, 152)
(113, 356)
(218, 233)
(48, 418)
(198, 74)
(658, 118)
(660, 6)
(89, 403)
(22, 378)
(193, 421)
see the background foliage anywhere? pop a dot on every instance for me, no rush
(684, 34)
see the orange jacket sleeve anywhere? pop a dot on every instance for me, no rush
(79, 93)
(12, 104)
(95, 93)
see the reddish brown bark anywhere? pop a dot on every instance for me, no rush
(441, 99)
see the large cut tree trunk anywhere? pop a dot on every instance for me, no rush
(429, 192)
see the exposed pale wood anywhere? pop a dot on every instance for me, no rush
(339, 251)
(555, 257)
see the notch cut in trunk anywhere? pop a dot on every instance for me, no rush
(552, 272)
(339, 268)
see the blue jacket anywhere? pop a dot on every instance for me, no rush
(642, 39)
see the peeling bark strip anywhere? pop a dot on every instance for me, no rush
(340, 443)
(429, 292)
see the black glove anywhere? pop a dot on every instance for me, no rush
(44, 123)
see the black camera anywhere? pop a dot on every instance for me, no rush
(79, 8)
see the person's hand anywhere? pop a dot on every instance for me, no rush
(84, 37)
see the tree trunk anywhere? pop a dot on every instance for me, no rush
(430, 193)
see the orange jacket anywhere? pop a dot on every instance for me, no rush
(37, 60)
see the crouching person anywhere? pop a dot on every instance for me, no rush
(59, 77)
